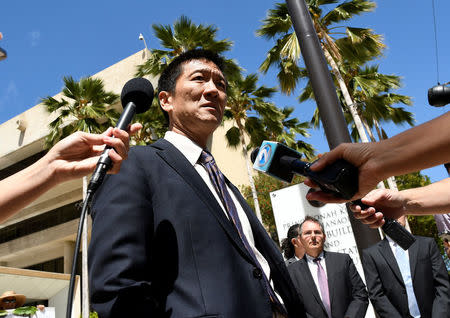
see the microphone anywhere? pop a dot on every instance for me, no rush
(279, 161)
(137, 96)
(339, 178)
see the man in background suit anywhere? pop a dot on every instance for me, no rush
(411, 283)
(328, 282)
(171, 236)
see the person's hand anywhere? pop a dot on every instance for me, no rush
(76, 155)
(359, 155)
(383, 203)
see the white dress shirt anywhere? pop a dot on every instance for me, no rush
(192, 153)
(407, 279)
(313, 269)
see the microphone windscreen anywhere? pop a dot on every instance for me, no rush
(139, 91)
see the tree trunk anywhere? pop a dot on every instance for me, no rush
(378, 129)
(84, 260)
(348, 100)
(369, 131)
(249, 172)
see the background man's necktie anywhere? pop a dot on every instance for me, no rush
(323, 286)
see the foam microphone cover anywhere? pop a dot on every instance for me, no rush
(139, 91)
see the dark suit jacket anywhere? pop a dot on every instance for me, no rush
(162, 246)
(291, 260)
(348, 295)
(385, 283)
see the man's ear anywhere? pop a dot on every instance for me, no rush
(294, 241)
(165, 100)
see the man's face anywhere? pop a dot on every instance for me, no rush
(312, 238)
(9, 303)
(196, 107)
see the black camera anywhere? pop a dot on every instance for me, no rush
(439, 95)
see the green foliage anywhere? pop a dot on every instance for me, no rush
(256, 117)
(84, 106)
(184, 35)
(350, 48)
(3, 313)
(25, 311)
(92, 314)
(423, 225)
(412, 180)
(154, 125)
(264, 185)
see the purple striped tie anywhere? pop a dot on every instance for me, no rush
(218, 181)
(323, 286)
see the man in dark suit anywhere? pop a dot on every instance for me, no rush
(411, 283)
(328, 282)
(171, 236)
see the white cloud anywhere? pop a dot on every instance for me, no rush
(9, 95)
(34, 37)
(11, 89)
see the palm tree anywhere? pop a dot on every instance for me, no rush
(84, 106)
(288, 131)
(258, 119)
(356, 45)
(184, 36)
(371, 91)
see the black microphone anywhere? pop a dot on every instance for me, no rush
(340, 178)
(137, 96)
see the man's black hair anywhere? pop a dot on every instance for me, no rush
(169, 76)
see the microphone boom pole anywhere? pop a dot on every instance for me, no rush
(327, 101)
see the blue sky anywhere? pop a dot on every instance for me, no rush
(47, 40)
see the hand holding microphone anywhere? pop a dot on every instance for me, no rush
(339, 179)
(136, 97)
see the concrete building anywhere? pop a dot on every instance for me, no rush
(42, 235)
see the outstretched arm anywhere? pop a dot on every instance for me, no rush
(431, 199)
(420, 147)
(71, 158)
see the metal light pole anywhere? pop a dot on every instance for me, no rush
(330, 110)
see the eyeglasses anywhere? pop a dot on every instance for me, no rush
(8, 301)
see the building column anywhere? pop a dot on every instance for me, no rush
(69, 248)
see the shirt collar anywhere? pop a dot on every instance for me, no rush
(311, 259)
(391, 241)
(186, 146)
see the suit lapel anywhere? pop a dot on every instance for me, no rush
(413, 252)
(175, 159)
(385, 250)
(331, 274)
